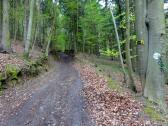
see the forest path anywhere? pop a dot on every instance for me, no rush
(55, 101)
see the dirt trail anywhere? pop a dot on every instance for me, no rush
(54, 101)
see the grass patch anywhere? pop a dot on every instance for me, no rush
(156, 116)
(114, 85)
(150, 111)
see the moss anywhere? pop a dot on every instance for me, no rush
(113, 85)
(12, 71)
(34, 67)
(1, 77)
(153, 114)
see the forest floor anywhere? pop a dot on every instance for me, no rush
(87, 92)
(109, 101)
(16, 58)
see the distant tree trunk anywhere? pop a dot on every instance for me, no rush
(49, 41)
(1, 17)
(118, 42)
(16, 30)
(77, 30)
(84, 40)
(25, 23)
(155, 83)
(35, 37)
(28, 38)
(128, 56)
(6, 43)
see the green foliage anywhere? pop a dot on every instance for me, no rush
(1, 76)
(110, 53)
(12, 71)
(114, 85)
(91, 26)
(156, 116)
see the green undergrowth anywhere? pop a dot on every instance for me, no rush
(151, 110)
(13, 74)
(34, 67)
(114, 85)
(153, 114)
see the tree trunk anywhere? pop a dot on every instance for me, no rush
(84, 40)
(142, 39)
(1, 17)
(6, 44)
(25, 23)
(49, 41)
(35, 37)
(28, 38)
(128, 56)
(16, 30)
(118, 42)
(155, 83)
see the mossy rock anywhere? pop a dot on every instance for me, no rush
(12, 71)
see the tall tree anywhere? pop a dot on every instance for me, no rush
(154, 87)
(28, 38)
(128, 55)
(142, 38)
(1, 19)
(150, 27)
(6, 43)
(25, 23)
(118, 43)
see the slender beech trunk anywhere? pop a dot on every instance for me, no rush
(118, 42)
(128, 56)
(6, 43)
(77, 30)
(1, 19)
(35, 37)
(28, 38)
(142, 38)
(84, 40)
(16, 30)
(49, 41)
(25, 23)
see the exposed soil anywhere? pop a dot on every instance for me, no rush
(53, 99)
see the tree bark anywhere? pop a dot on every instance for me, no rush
(49, 41)
(6, 43)
(155, 83)
(142, 38)
(28, 38)
(128, 55)
(118, 43)
(1, 18)
(25, 23)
